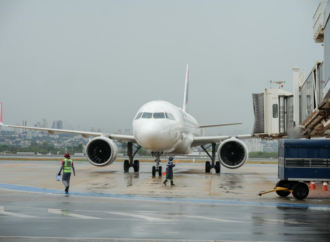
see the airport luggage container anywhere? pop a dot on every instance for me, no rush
(301, 161)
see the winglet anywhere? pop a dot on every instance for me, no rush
(186, 91)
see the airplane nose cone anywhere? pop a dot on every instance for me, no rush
(150, 136)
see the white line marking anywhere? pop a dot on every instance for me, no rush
(61, 212)
(214, 219)
(2, 211)
(138, 216)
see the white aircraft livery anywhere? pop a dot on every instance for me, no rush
(162, 129)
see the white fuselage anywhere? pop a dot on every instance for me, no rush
(160, 126)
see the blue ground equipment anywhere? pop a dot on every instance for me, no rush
(301, 161)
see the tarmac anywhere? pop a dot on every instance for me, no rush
(106, 204)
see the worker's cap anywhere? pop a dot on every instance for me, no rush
(170, 158)
(67, 155)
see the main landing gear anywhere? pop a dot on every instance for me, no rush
(214, 164)
(130, 163)
(157, 168)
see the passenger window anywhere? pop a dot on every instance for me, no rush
(275, 110)
(171, 115)
(159, 115)
(138, 116)
(147, 115)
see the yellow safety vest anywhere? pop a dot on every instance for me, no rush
(67, 165)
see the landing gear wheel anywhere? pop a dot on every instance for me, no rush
(300, 190)
(153, 171)
(126, 166)
(160, 171)
(136, 166)
(282, 193)
(207, 167)
(217, 167)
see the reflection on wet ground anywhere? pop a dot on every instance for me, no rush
(39, 217)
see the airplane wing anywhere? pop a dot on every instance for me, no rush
(217, 125)
(85, 134)
(198, 141)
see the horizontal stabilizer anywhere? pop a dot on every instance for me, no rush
(198, 141)
(217, 125)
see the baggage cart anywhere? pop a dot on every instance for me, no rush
(301, 161)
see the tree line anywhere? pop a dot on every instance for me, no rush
(43, 148)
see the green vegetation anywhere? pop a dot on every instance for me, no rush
(43, 148)
(263, 154)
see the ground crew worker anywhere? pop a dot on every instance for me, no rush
(169, 171)
(67, 164)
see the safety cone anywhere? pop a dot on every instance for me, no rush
(325, 186)
(312, 185)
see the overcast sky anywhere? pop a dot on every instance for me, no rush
(95, 63)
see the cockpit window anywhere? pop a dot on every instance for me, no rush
(147, 115)
(159, 115)
(138, 116)
(171, 116)
(167, 116)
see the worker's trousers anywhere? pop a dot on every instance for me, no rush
(66, 179)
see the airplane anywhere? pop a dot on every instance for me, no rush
(162, 129)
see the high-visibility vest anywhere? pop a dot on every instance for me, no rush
(67, 165)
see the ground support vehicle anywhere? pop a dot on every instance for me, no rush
(301, 161)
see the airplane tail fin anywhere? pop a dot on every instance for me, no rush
(186, 92)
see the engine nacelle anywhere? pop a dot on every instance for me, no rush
(101, 151)
(232, 153)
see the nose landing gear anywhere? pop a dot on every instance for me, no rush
(129, 163)
(214, 164)
(157, 168)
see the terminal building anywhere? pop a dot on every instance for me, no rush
(306, 111)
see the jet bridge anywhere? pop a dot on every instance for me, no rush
(305, 113)
(273, 112)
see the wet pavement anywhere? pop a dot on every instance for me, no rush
(190, 179)
(106, 203)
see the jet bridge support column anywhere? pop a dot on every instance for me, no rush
(296, 105)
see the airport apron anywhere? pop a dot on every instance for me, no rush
(67, 172)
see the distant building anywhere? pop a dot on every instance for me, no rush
(254, 145)
(44, 123)
(29, 134)
(99, 130)
(54, 125)
(59, 124)
(202, 132)
(93, 130)
(127, 131)
(119, 131)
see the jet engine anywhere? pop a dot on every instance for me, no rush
(101, 151)
(232, 153)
